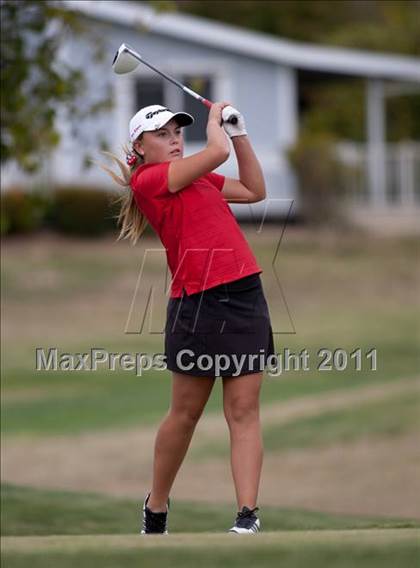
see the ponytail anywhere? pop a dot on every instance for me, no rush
(130, 218)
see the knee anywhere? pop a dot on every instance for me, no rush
(185, 416)
(241, 411)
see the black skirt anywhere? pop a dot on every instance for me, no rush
(220, 332)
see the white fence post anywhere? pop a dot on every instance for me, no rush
(403, 175)
(406, 167)
(376, 139)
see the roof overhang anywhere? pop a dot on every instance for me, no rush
(252, 44)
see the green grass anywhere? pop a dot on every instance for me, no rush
(394, 334)
(97, 402)
(386, 418)
(29, 511)
(262, 553)
(56, 276)
(392, 417)
(342, 293)
(81, 402)
(366, 549)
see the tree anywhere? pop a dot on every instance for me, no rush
(332, 104)
(35, 83)
(348, 23)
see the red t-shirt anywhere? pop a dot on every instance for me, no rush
(204, 244)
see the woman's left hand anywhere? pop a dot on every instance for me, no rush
(237, 129)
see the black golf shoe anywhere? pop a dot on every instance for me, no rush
(246, 522)
(154, 523)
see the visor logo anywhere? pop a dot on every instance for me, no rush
(152, 114)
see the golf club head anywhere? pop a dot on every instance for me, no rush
(124, 61)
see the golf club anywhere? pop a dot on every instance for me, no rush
(126, 60)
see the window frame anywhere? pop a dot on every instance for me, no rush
(125, 89)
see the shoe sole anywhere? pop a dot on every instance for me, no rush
(256, 527)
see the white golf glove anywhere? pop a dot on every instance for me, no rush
(237, 129)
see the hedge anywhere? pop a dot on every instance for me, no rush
(321, 177)
(77, 210)
(23, 212)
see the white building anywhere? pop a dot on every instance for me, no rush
(258, 73)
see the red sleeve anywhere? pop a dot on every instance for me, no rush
(216, 179)
(152, 181)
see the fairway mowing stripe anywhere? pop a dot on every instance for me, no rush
(372, 537)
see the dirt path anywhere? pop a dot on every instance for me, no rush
(362, 478)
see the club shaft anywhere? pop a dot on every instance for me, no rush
(187, 90)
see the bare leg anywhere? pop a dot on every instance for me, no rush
(189, 397)
(241, 407)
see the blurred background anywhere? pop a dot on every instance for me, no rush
(330, 92)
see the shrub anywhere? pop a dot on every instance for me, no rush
(73, 210)
(83, 211)
(321, 179)
(23, 212)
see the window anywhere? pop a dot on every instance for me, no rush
(149, 91)
(156, 91)
(202, 86)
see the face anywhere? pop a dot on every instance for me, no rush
(163, 145)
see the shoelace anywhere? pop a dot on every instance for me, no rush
(154, 522)
(247, 512)
(246, 517)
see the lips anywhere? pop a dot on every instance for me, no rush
(175, 152)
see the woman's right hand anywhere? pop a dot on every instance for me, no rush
(216, 136)
(215, 113)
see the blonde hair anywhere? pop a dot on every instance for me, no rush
(131, 220)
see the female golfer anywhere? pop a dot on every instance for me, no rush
(218, 324)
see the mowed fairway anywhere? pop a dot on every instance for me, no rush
(344, 549)
(340, 480)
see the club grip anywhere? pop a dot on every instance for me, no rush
(232, 119)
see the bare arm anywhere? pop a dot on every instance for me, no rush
(250, 187)
(183, 172)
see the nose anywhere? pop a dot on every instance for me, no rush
(175, 142)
